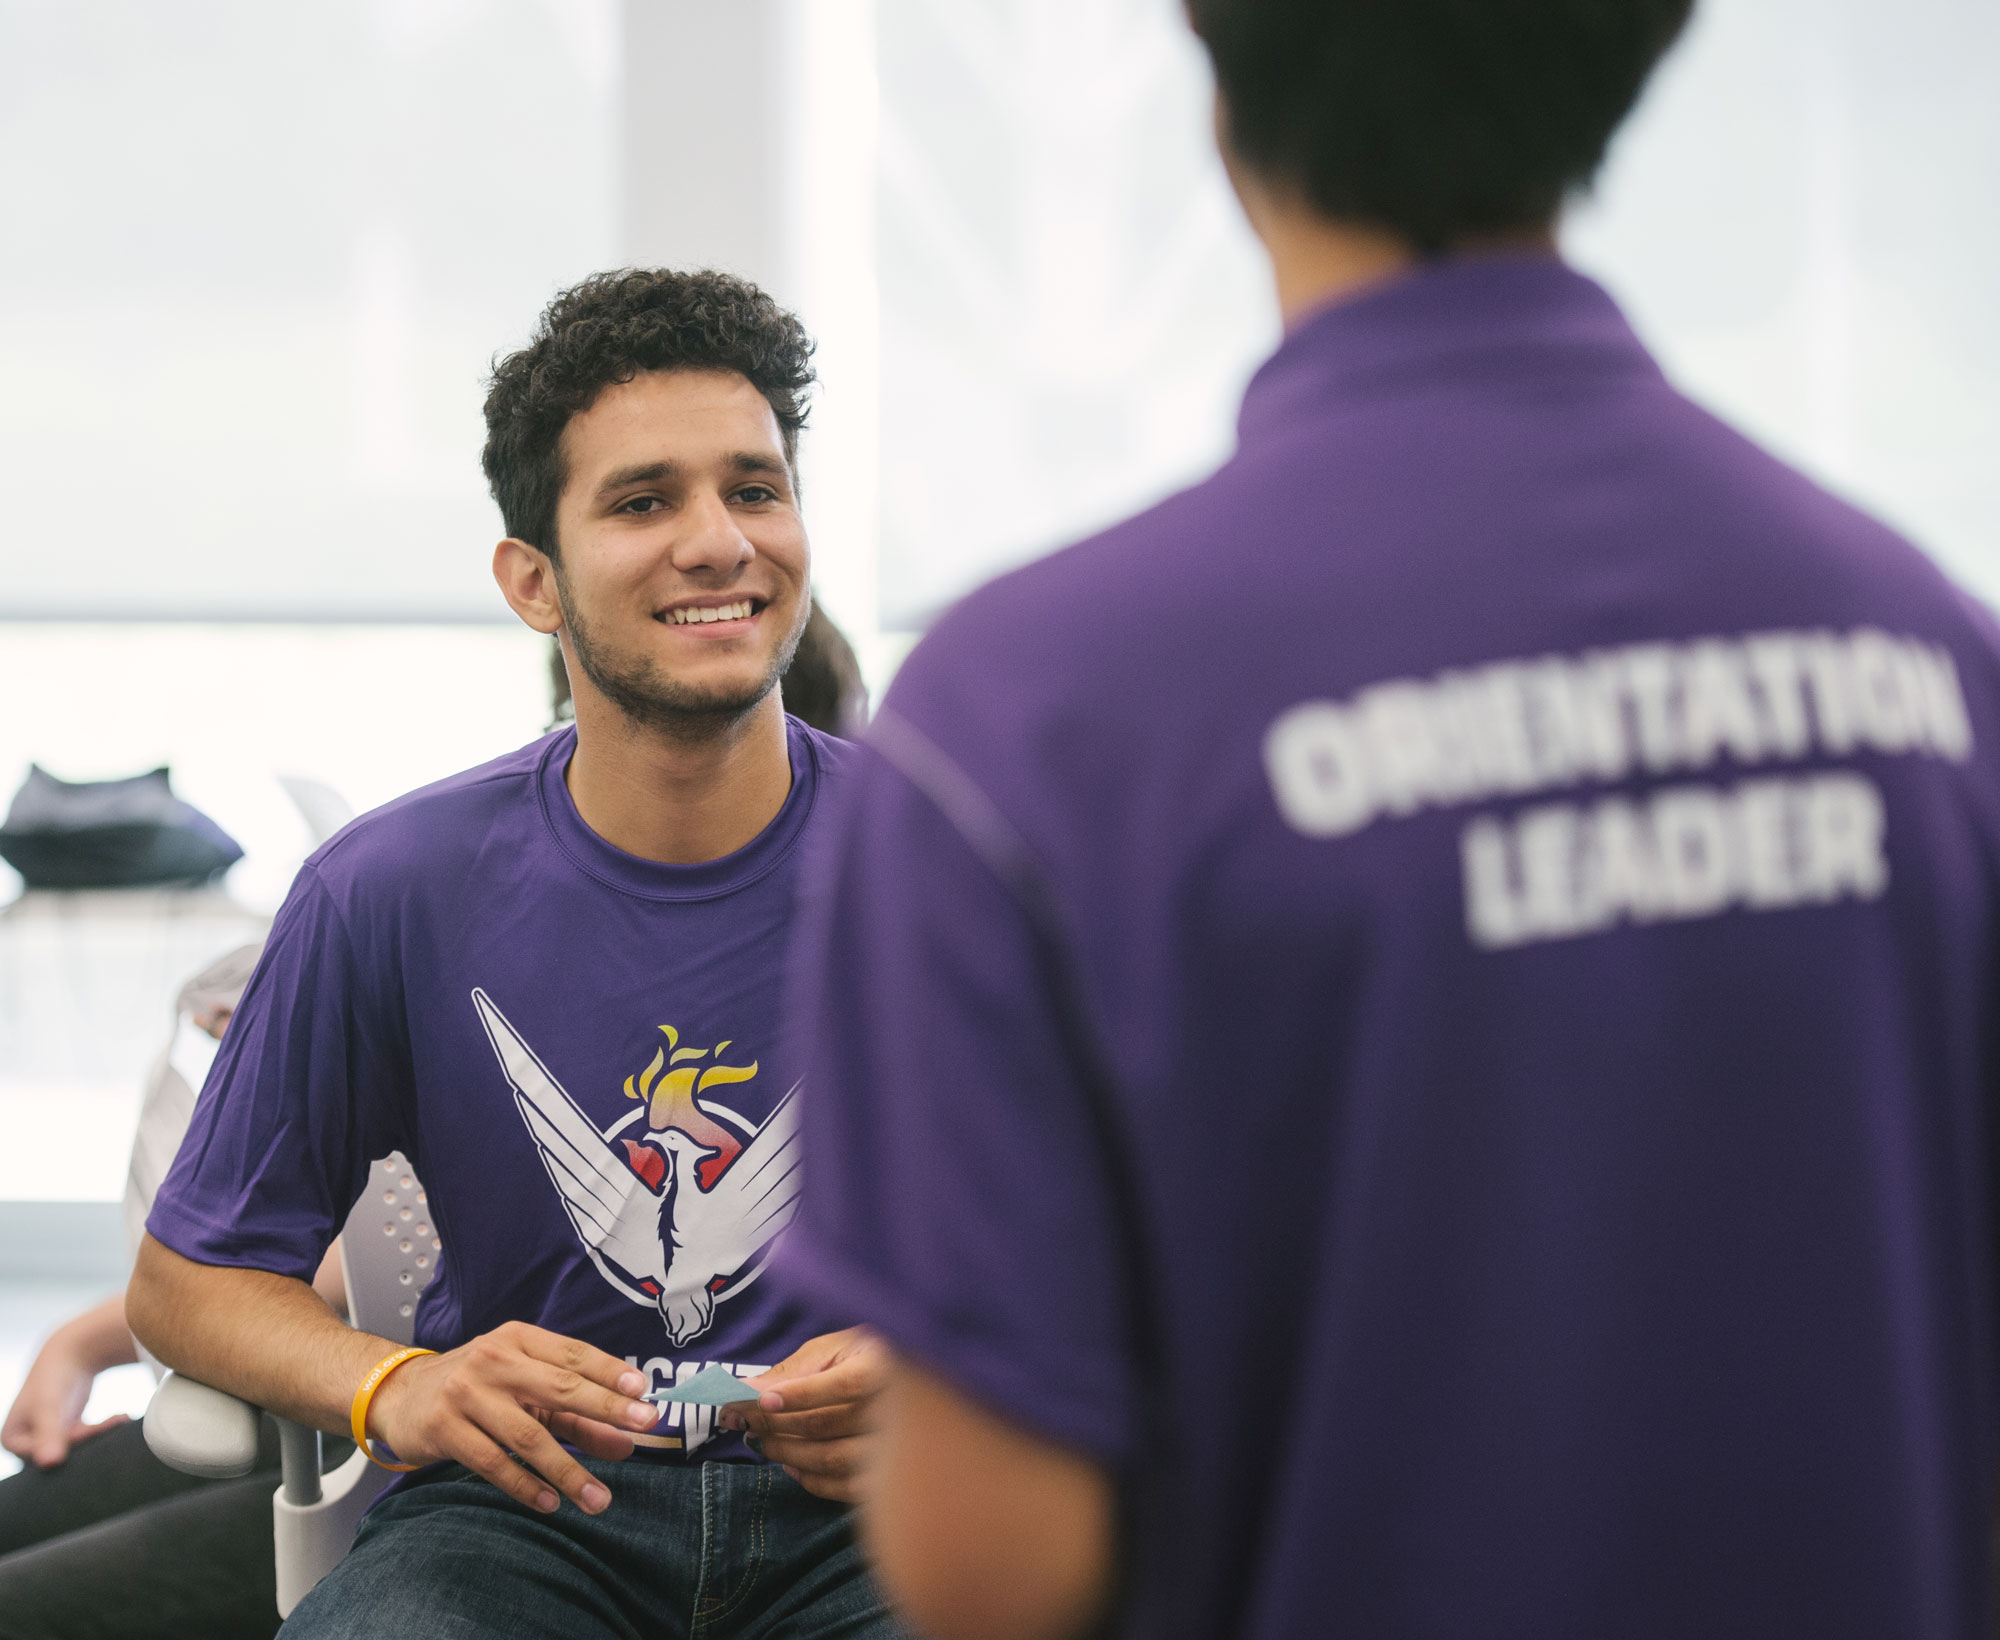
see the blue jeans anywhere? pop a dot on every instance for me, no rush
(715, 1550)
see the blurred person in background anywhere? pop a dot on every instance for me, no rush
(823, 686)
(554, 983)
(99, 1538)
(1404, 1044)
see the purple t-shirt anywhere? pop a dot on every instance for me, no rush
(1431, 1003)
(578, 1049)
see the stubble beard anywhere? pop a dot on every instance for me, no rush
(647, 696)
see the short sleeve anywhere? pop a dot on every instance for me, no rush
(954, 1193)
(307, 1089)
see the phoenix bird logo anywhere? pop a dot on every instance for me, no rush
(686, 1215)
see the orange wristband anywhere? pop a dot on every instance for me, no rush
(366, 1393)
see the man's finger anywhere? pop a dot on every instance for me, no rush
(561, 1389)
(827, 1459)
(599, 1440)
(817, 1354)
(522, 1434)
(544, 1369)
(819, 1424)
(488, 1459)
(855, 1378)
(835, 1489)
(574, 1355)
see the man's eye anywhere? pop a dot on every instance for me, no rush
(756, 494)
(641, 504)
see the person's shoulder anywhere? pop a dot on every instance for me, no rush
(424, 831)
(1065, 626)
(1838, 562)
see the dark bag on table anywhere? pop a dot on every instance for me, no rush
(110, 834)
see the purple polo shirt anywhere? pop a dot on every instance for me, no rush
(1428, 1002)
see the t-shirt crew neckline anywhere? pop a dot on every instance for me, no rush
(657, 880)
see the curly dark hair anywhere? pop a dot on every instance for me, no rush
(1439, 120)
(607, 330)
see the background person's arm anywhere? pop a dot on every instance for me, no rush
(979, 1530)
(957, 1198)
(46, 1419)
(514, 1392)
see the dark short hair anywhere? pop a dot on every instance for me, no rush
(607, 330)
(1438, 120)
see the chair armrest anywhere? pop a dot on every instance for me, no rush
(201, 1431)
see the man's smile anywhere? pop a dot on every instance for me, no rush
(728, 617)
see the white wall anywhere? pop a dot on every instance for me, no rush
(255, 261)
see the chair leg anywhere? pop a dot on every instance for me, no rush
(299, 1452)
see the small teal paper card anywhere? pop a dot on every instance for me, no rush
(711, 1387)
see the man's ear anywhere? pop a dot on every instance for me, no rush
(527, 580)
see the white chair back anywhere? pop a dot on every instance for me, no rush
(389, 1250)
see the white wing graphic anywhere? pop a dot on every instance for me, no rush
(718, 1232)
(708, 1236)
(616, 1214)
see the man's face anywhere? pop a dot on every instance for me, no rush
(683, 566)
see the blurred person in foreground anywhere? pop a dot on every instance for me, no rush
(1404, 1044)
(554, 983)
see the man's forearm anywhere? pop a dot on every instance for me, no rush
(980, 1530)
(268, 1338)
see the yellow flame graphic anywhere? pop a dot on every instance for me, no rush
(720, 1075)
(670, 1087)
(660, 1058)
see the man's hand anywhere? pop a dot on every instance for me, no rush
(46, 1419)
(814, 1414)
(514, 1393)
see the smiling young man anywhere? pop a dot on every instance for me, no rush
(553, 983)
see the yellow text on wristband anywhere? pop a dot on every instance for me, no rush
(377, 1376)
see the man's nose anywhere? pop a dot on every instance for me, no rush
(710, 539)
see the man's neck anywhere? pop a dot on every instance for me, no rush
(678, 801)
(1316, 260)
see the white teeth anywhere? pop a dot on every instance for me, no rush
(739, 611)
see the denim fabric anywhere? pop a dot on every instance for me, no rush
(716, 1551)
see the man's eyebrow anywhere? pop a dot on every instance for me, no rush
(647, 472)
(655, 472)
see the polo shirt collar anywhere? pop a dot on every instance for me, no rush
(1508, 313)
